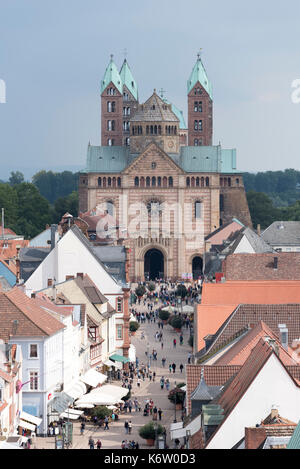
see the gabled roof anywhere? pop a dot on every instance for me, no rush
(240, 351)
(244, 378)
(32, 319)
(199, 75)
(154, 110)
(247, 316)
(128, 80)
(111, 75)
(294, 442)
(285, 233)
(178, 113)
(224, 231)
(203, 392)
(256, 242)
(262, 266)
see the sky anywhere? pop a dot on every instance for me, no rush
(53, 55)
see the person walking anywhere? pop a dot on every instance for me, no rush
(174, 343)
(82, 427)
(159, 413)
(170, 368)
(126, 426)
(167, 384)
(162, 382)
(181, 339)
(174, 367)
(129, 427)
(163, 361)
(91, 443)
(189, 357)
(181, 367)
(98, 444)
(106, 427)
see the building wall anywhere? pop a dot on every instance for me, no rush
(206, 116)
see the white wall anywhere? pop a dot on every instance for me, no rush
(272, 386)
(244, 247)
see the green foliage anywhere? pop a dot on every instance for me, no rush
(140, 291)
(163, 315)
(176, 321)
(100, 411)
(262, 209)
(177, 395)
(66, 204)
(133, 326)
(9, 201)
(55, 185)
(128, 396)
(151, 286)
(16, 178)
(181, 291)
(149, 431)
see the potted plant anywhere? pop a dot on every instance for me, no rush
(151, 286)
(140, 291)
(133, 327)
(164, 316)
(149, 432)
(176, 322)
(181, 291)
(177, 396)
(100, 412)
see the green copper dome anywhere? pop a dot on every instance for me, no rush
(199, 75)
(128, 80)
(178, 113)
(112, 76)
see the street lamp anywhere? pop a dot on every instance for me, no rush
(175, 419)
(188, 436)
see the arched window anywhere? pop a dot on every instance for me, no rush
(109, 182)
(127, 141)
(147, 129)
(229, 182)
(197, 182)
(159, 130)
(198, 209)
(237, 181)
(148, 181)
(202, 182)
(153, 181)
(193, 182)
(113, 106)
(196, 106)
(114, 182)
(159, 181)
(99, 182)
(196, 142)
(200, 127)
(188, 182)
(155, 130)
(200, 106)
(128, 111)
(207, 182)
(110, 142)
(119, 182)
(170, 181)
(136, 181)
(104, 182)
(109, 107)
(195, 125)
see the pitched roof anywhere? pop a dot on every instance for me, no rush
(257, 243)
(213, 375)
(154, 110)
(199, 75)
(294, 442)
(209, 319)
(128, 80)
(8, 248)
(284, 233)
(111, 75)
(90, 290)
(32, 320)
(244, 378)
(12, 267)
(262, 266)
(248, 315)
(240, 351)
(255, 292)
(224, 231)
(178, 113)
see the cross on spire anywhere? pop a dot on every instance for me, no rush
(125, 53)
(161, 92)
(199, 53)
(111, 56)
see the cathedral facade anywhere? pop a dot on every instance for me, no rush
(163, 185)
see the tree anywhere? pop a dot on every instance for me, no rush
(16, 178)
(9, 201)
(66, 204)
(261, 209)
(181, 291)
(140, 291)
(55, 185)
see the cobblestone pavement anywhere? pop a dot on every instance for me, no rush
(112, 438)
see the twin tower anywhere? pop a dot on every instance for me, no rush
(126, 122)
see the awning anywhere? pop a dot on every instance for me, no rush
(109, 363)
(77, 391)
(27, 425)
(74, 411)
(67, 415)
(105, 395)
(61, 403)
(116, 391)
(93, 378)
(30, 418)
(119, 358)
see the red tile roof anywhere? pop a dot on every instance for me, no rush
(12, 267)
(32, 319)
(222, 233)
(10, 252)
(240, 351)
(261, 266)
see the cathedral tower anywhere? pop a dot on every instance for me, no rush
(200, 107)
(111, 107)
(130, 100)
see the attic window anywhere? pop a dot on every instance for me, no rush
(132, 84)
(153, 106)
(100, 158)
(113, 158)
(194, 158)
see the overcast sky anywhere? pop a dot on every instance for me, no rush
(53, 55)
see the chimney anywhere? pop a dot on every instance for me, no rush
(69, 277)
(80, 275)
(283, 330)
(275, 263)
(273, 343)
(49, 283)
(258, 230)
(32, 295)
(53, 232)
(18, 266)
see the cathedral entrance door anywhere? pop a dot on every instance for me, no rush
(154, 264)
(197, 267)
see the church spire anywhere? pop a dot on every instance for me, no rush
(128, 79)
(199, 75)
(111, 75)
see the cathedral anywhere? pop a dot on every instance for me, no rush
(162, 184)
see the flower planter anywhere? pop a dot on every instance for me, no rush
(132, 332)
(150, 442)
